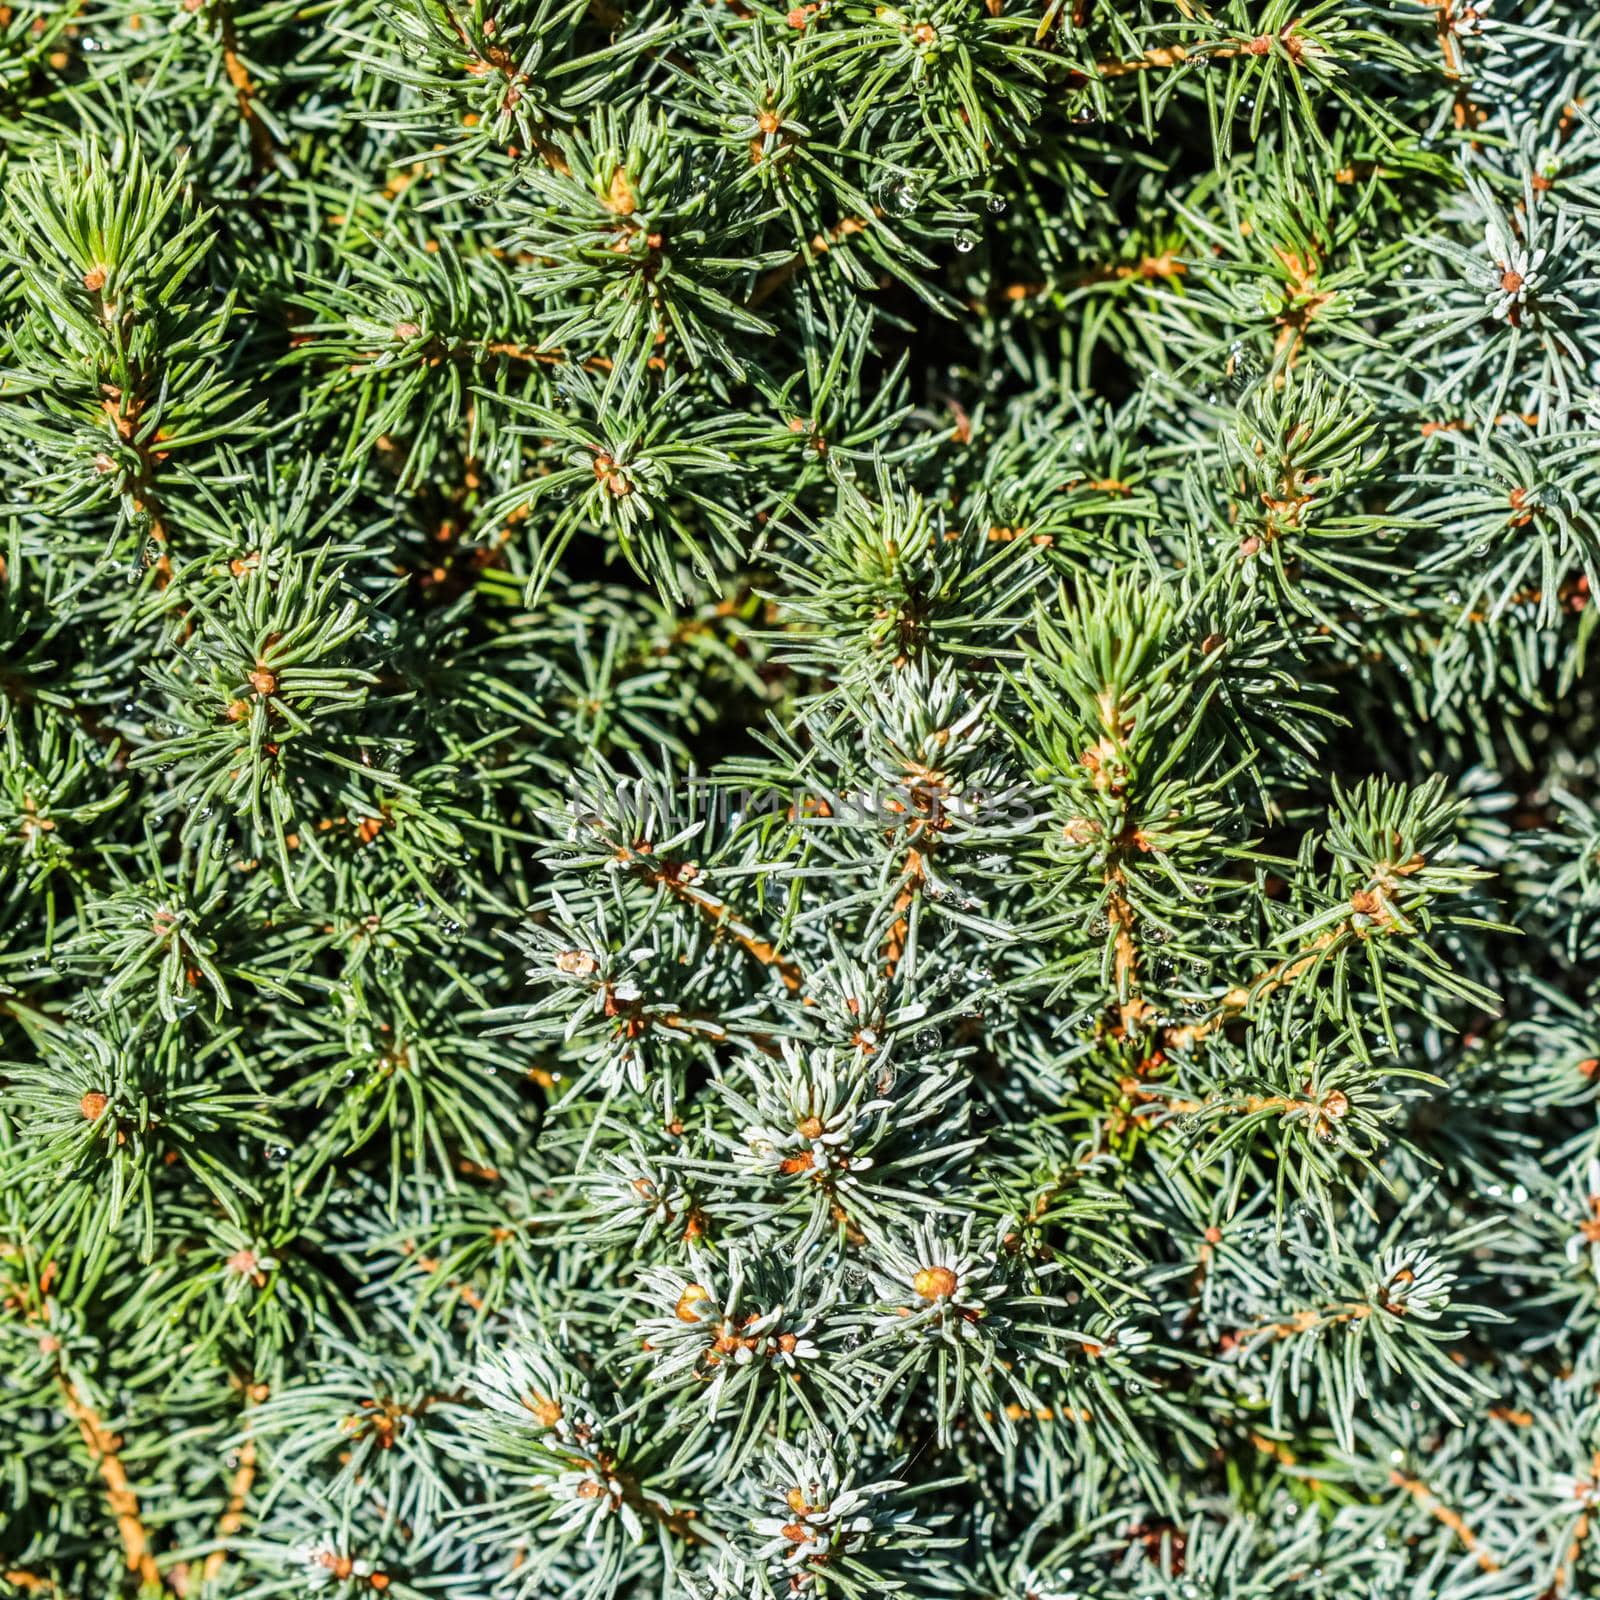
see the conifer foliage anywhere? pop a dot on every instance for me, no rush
(799, 801)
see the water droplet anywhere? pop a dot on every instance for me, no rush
(996, 206)
(900, 196)
(965, 243)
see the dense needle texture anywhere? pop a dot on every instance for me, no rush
(799, 802)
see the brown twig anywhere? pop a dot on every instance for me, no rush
(123, 412)
(103, 1447)
(1130, 1008)
(912, 878)
(1444, 18)
(244, 89)
(1466, 425)
(1275, 1448)
(1324, 1111)
(430, 1265)
(677, 879)
(1239, 999)
(1452, 1519)
(770, 282)
(702, 1025)
(1166, 55)
(1106, 763)
(239, 1487)
(1146, 269)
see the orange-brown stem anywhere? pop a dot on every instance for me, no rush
(770, 282)
(1238, 999)
(239, 1487)
(1452, 1519)
(244, 89)
(103, 1447)
(672, 881)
